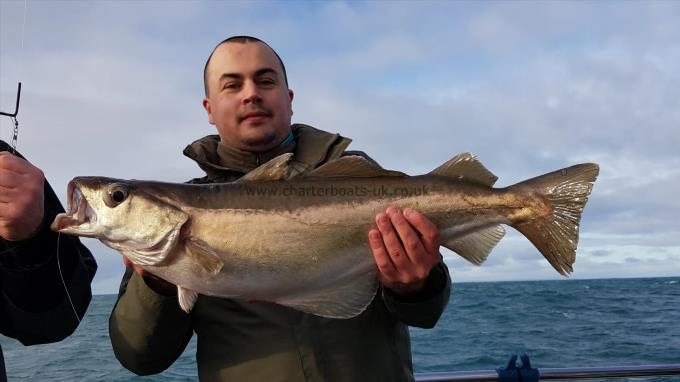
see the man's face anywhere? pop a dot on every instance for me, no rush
(248, 99)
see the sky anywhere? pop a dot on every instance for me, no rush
(115, 89)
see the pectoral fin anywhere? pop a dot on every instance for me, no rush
(204, 256)
(187, 298)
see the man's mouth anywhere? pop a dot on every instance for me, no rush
(79, 211)
(256, 116)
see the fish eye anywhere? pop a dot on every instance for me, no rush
(116, 194)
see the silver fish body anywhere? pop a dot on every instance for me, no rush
(302, 241)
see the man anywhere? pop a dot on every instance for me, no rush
(248, 100)
(34, 305)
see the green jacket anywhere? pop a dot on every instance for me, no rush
(257, 341)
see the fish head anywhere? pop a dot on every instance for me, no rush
(124, 216)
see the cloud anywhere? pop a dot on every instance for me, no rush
(115, 89)
(586, 267)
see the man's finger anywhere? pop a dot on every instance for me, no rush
(392, 243)
(10, 212)
(408, 237)
(7, 194)
(427, 230)
(382, 259)
(9, 179)
(13, 163)
(136, 268)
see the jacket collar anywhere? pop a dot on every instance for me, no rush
(310, 147)
(231, 158)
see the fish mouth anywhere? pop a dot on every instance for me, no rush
(79, 218)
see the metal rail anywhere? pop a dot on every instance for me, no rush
(559, 373)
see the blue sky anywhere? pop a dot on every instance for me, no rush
(114, 89)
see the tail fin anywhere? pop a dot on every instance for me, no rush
(566, 192)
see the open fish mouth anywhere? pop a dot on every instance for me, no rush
(80, 216)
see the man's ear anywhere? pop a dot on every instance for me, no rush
(208, 108)
(291, 95)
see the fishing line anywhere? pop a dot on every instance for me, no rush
(13, 116)
(14, 142)
(23, 28)
(15, 135)
(61, 275)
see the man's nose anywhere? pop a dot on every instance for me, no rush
(251, 93)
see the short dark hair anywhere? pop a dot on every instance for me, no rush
(241, 40)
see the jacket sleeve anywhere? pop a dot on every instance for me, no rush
(424, 309)
(148, 331)
(34, 307)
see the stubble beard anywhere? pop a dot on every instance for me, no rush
(261, 140)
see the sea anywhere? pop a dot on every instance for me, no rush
(558, 324)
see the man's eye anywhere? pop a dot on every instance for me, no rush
(267, 82)
(231, 85)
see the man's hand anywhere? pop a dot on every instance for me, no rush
(22, 193)
(159, 285)
(406, 248)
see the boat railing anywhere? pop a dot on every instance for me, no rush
(525, 373)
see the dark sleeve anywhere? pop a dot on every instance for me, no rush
(148, 331)
(34, 307)
(424, 309)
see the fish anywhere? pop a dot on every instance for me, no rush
(301, 239)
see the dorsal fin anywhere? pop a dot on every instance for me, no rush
(466, 167)
(352, 166)
(276, 169)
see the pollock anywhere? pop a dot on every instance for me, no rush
(301, 241)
